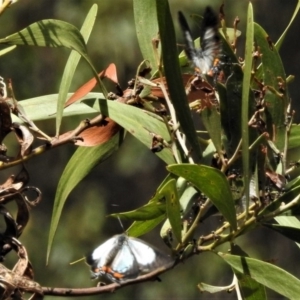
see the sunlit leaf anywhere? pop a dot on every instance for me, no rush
(140, 123)
(213, 184)
(250, 289)
(7, 50)
(149, 211)
(71, 65)
(146, 27)
(204, 287)
(80, 164)
(44, 107)
(267, 274)
(53, 33)
(139, 228)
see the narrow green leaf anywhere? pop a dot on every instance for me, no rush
(53, 33)
(211, 119)
(267, 274)
(80, 164)
(139, 228)
(146, 27)
(245, 102)
(213, 184)
(173, 75)
(169, 191)
(141, 124)
(44, 107)
(276, 100)
(149, 211)
(71, 65)
(250, 289)
(294, 145)
(204, 287)
(6, 50)
(280, 40)
(48, 33)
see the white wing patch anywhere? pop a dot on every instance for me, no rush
(122, 257)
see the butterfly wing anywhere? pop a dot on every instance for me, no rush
(210, 39)
(103, 256)
(124, 265)
(190, 50)
(203, 58)
(148, 258)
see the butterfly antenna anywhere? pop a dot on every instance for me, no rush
(76, 261)
(121, 224)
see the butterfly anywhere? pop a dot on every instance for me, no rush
(203, 59)
(123, 257)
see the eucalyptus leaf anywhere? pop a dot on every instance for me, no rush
(139, 228)
(145, 17)
(71, 65)
(267, 274)
(213, 184)
(80, 164)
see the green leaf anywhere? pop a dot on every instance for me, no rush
(138, 122)
(245, 103)
(251, 289)
(169, 191)
(280, 40)
(7, 50)
(44, 107)
(204, 287)
(53, 33)
(276, 100)
(48, 33)
(80, 164)
(211, 119)
(294, 143)
(149, 211)
(173, 75)
(146, 27)
(213, 184)
(71, 65)
(267, 274)
(139, 228)
(292, 222)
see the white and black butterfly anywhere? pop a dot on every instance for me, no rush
(203, 58)
(122, 257)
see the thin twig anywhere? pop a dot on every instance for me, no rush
(70, 138)
(67, 292)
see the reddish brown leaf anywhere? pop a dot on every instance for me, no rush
(95, 135)
(110, 72)
(196, 87)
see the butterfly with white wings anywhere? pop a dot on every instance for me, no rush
(123, 257)
(203, 58)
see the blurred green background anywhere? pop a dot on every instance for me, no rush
(130, 176)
